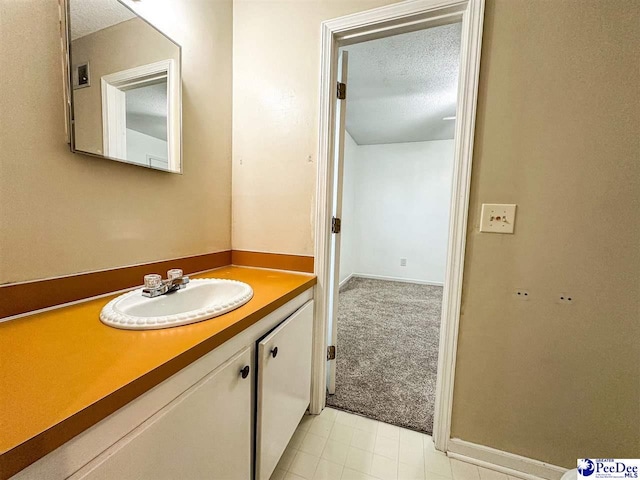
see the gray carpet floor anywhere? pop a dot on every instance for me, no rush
(387, 352)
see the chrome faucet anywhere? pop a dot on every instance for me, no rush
(154, 285)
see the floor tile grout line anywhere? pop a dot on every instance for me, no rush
(399, 437)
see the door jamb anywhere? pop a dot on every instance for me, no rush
(113, 108)
(401, 17)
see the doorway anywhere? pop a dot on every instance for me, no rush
(138, 121)
(400, 18)
(396, 170)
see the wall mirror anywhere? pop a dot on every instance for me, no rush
(124, 86)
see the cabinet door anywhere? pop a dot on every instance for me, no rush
(205, 433)
(284, 387)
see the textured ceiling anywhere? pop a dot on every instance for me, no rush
(147, 110)
(89, 16)
(399, 88)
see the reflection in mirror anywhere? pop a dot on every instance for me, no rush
(125, 86)
(147, 124)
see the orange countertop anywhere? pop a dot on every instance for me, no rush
(63, 371)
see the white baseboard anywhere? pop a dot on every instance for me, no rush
(396, 279)
(343, 282)
(500, 461)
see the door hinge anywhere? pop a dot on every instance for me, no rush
(336, 225)
(331, 352)
(342, 91)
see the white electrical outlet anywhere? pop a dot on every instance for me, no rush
(497, 218)
(403, 262)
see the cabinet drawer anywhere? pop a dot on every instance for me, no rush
(284, 386)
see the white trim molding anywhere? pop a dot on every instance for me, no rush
(394, 19)
(391, 279)
(344, 282)
(114, 109)
(504, 462)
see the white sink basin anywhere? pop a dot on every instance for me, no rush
(200, 300)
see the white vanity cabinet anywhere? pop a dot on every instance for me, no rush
(204, 433)
(201, 423)
(284, 387)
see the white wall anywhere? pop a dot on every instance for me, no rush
(396, 205)
(140, 144)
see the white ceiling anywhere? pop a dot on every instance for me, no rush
(399, 88)
(147, 109)
(89, 16)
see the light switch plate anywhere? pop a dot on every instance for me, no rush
(497, 217)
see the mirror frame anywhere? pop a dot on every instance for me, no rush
(174, 89)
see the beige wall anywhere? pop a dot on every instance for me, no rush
(62, 213)
(557, 133)
(120, 47)
(276, 48)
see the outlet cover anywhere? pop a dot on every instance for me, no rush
(497, 217)
(403, 262)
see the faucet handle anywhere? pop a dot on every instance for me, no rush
(174, 273)
(152, 280)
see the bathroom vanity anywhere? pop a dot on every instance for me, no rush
(216, 399)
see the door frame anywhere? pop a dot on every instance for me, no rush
(381, 22)
(341, 117)
(112, 88)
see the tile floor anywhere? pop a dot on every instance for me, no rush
(338, 445)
